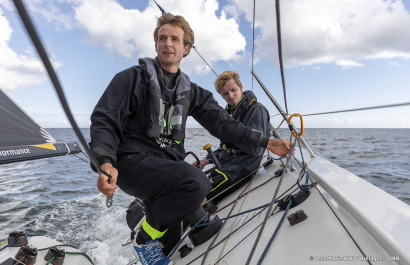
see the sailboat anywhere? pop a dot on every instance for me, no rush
(300, 210)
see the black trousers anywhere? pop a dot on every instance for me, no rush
(220, 192)
(171, 190)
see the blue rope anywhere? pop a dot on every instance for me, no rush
(306, 182)
(9, 244)
(274, 234)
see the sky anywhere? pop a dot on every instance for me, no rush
(337, 54)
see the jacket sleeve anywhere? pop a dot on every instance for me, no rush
(258, 119)
(109, 116)
(206, 110)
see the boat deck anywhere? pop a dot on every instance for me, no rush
(321, 237)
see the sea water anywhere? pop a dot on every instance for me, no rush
(57, 197)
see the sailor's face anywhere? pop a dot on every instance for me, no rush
(170, 47)
(231, 92)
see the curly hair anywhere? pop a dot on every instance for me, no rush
(225, 77)
(178, 21)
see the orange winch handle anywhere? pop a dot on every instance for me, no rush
(301, 124)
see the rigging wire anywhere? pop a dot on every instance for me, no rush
(280, 52)
(351, 110)
(359, 109)
(88, 162)
(57, 85)
(204, 60)
(253, 36)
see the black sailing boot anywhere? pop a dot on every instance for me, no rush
(201, 234)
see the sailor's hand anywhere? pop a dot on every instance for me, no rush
(202, 163)
(279, 146)
(102, 183)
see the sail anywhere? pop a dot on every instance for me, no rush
(21, 138)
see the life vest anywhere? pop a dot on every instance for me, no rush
(238, 112)
(162, 122)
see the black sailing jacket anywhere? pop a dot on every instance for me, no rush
(239, 165)
(116, 129)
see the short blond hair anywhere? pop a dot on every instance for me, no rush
(178, 21)
(225, 77)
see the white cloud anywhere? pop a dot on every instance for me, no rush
(16, 70)
(128, 32)
(115, 28)
(342, 32)
(346, 64)
(323, 31)
(55, 13)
